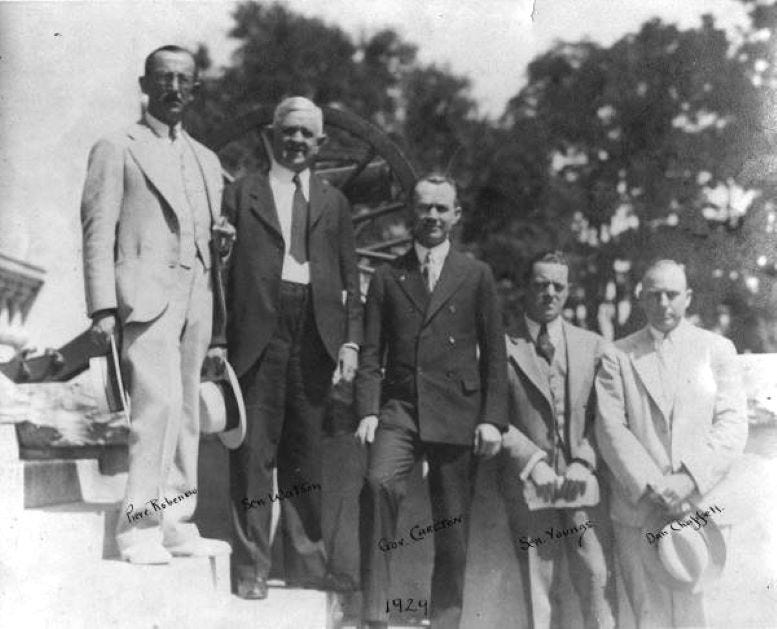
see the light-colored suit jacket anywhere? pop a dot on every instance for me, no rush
(638, 436)
(531, 406)
(131, 215)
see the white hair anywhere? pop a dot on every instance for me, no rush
(298, 103)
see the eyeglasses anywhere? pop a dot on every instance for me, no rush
(185, 81)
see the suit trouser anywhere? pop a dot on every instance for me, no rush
(653, 604)
(286, 393)
(588, 555)
(452, 468)
(162, 360)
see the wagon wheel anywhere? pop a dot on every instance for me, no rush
(359, 159)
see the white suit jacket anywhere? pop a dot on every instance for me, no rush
(131, 213)
(641, 440)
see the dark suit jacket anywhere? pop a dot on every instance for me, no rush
(429, 348)
(257, 260)
(530, 402)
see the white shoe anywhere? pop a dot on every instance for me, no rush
(146, 553)
(200, 547)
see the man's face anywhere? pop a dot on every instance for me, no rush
(296, 139)
(170, 85)
(547, 291)
(665, 297)
(436, 212)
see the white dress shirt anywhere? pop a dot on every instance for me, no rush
(162, 129)
(665, 344)
(283, 189)
(437, 255)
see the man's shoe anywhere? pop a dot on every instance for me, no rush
(146, 553)
(338, 582)
(375, 624)
(200, 547)
(252, 589)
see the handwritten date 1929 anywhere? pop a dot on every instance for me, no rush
(409, 605)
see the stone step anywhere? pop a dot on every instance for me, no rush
(61, 481)
(73, 532)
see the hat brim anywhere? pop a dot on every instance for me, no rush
(233, 437)
(713, 539)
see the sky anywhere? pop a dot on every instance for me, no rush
(68, 75)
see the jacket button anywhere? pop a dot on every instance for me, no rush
(452, 308)
(449, 374)
(419, 371)
(451, 340)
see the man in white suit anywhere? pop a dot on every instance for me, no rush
(671, 419)
(151, 202)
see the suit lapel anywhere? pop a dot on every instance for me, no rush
(263, 204)
(211, 186)
(319, 201)
(646, 364)
(408, 275)
(521, 353)
(579, 363)
(451, 277)
(158, 166)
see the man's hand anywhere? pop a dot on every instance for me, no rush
(365, 433)
(223, 236)
(215, 363)
(488, 440)
(347, 362)
(675, 489)
(575, 480)
(544, 478)
(103, 326)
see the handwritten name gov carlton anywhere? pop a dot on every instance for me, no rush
(157, 504)
(695, 521)
(418, 533)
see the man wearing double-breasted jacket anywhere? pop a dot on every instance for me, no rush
(431, 383)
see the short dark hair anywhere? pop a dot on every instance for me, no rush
(551, 256)
(438, 178)
(167, 48)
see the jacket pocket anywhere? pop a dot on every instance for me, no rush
(470, 385)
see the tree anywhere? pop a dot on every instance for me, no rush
(624, 153)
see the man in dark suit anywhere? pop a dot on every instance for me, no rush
(432, 323)
(294, 318)
(549, 465)
(151, 202)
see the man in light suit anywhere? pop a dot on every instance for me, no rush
(295, 317)
(548, 452)
(431, 383)
(671, 419)
(151, 202)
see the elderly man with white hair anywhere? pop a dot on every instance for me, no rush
(295, 317)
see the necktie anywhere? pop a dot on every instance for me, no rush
(174, 133)
(665, 352)
(426, 270)
(299, 224)
(544, 346)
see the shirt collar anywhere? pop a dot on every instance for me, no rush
(555, 331)
(158, 127)
(437, 254)
(284, 175)
(658, 336)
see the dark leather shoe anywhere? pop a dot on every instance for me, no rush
(375, 624)
(252, 589)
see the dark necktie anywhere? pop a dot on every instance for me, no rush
(426, 271)
(544, 346)
(299, 224)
